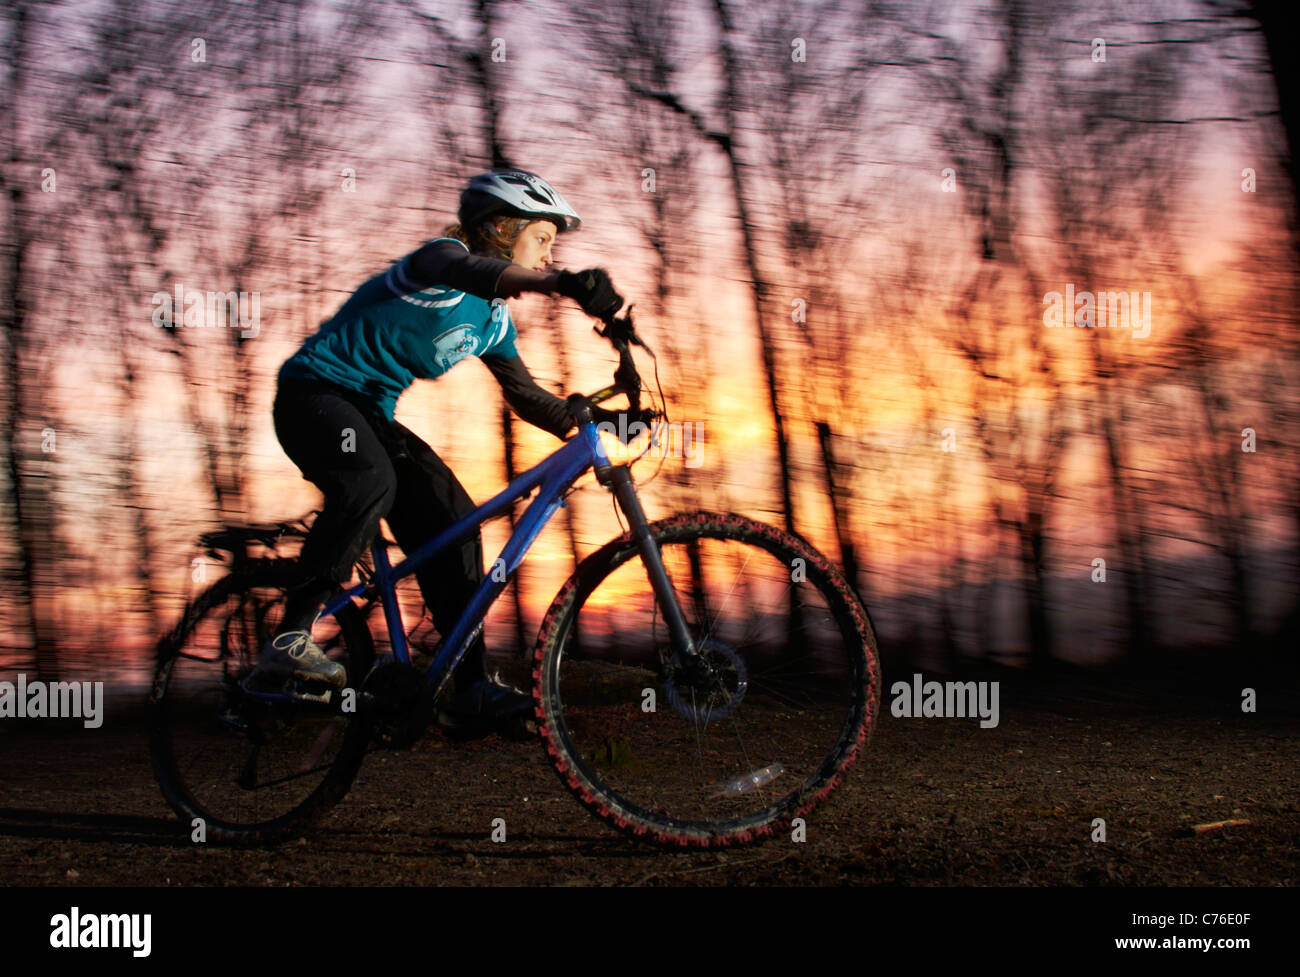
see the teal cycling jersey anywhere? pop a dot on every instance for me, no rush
(393, 331)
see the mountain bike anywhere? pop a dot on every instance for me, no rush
(699, 681)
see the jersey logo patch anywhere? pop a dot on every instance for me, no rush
(454, 345)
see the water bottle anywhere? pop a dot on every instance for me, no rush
(748, 781)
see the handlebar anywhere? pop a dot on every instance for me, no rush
(621, 333)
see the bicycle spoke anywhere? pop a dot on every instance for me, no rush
(242, 762)
(745, 729)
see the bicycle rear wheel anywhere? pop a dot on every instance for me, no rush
(252, 768)
(721, 751)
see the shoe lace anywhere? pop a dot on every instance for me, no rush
(296, 648)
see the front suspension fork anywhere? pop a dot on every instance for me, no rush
(620, 481)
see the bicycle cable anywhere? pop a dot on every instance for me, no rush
(662, 402)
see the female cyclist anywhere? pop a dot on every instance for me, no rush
(334, 407)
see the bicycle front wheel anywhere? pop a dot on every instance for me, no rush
(754, 732)
(241, 768)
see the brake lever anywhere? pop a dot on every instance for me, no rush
(622, 329)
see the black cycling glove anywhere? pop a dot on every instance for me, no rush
(591, 289)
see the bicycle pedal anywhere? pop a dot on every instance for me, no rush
(300, 690)
(310, 692)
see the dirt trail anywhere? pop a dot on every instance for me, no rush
(932, 802)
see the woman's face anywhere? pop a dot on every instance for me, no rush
(533, 246)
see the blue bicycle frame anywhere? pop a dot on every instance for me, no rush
(553, 475)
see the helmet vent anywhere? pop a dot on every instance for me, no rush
(517, 192)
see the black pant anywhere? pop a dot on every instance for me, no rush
(369, 467)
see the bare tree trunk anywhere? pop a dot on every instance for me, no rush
(1276, 19)
(1130, 531)
(485, 84)
(32, 504)
(137, 503)
(990, 127)
(1032, 545)
(1222, 484)
(842, 530)
(728, 141)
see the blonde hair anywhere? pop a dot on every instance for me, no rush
(494, 237)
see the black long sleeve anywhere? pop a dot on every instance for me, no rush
(448, 263)
(530, 401)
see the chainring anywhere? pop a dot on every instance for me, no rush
(398, 695)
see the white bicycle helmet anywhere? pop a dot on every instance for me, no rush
(517, 193)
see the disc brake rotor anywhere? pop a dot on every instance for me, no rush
(709, 688)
